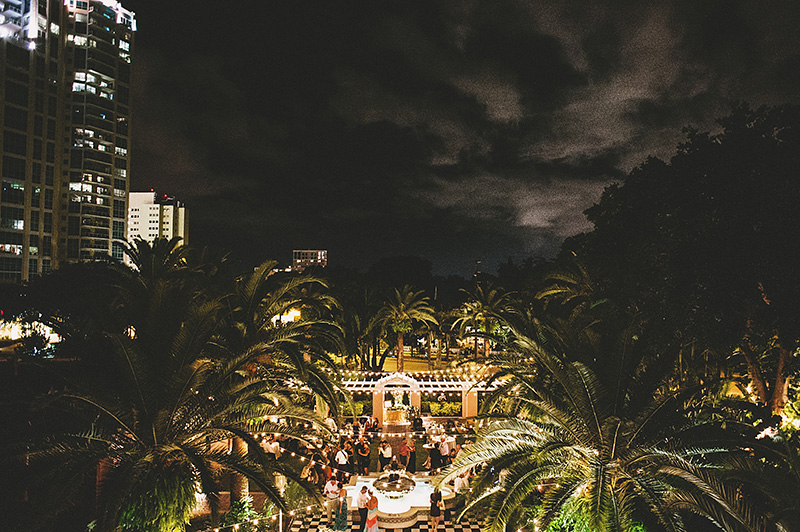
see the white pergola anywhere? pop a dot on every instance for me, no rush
(416, 388)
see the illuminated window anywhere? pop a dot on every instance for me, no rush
(12, 217)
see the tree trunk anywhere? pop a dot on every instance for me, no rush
(777, 395)
(400, 352)
(754, 371)
(375, 348)
(240, 487)
(428, 351)
(383, 359)
(103, 468)
(363, 351)
(780, 392)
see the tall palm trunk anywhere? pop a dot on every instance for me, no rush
(429, 351)
(240, 487)
(400, 352)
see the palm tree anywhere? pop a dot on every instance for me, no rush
(485, 309)
(359, 304)
(557, 438)
(157, 426)
(288, 352)
(402, 311)
(154, 416)
(291, 355)
(442, 332)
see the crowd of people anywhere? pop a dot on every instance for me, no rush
(330, 468)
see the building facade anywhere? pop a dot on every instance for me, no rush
(152, 216)
(64, 112)
(99, 44)
(303, 258)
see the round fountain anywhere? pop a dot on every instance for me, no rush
(394, 483)
(402, 501)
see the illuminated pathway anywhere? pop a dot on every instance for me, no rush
(318, 524)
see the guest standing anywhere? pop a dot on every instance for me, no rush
(412, 456)
(341, 459)
(372, 513)
(340, 522)
(435, 458)
(362, 450)
(384, 454)
(436, 510)
(362, 501)
(461, 484)
(331, 492)
(403, 453)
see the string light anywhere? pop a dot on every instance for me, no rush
(308, 509)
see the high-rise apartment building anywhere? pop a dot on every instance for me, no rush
(33, 136)
(303, 258)
(152, 216)
(64, 111)
(99, 44)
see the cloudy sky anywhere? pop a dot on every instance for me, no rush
(454, 130)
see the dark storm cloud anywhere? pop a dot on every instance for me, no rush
(455, 129)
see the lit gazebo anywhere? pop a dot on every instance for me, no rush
(406, 391)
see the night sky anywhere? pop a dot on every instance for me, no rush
(452, 130)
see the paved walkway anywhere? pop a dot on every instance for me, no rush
(318, 524)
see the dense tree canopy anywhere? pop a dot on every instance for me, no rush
(701, 245)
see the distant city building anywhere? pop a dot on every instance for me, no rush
(64, 110)
(303, 258)
(152, 216)
(99, 43)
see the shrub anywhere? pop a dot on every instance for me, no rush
(446, 408)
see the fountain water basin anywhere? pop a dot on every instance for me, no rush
(395, 510)
(394, 484)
